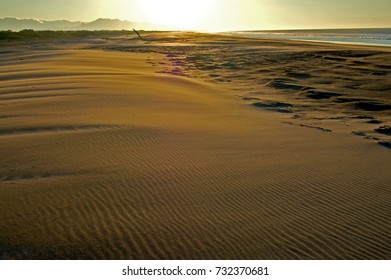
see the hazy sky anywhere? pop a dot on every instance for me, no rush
(213, 14)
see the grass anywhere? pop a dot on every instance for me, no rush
(29, 34)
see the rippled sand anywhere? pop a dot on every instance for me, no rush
(194, 147)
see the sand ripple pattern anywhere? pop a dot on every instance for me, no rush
(115, 170)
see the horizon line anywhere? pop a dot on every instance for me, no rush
(212, 30)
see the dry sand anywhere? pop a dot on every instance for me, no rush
(157, 152)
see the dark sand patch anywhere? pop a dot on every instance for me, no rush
(372, 106)
(384, 130)
(274, 106)
(318, 95)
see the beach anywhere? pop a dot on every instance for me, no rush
(194, 146)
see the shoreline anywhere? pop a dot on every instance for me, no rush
(349, 43)
(360, 36)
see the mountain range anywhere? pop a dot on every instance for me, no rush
(16, 24)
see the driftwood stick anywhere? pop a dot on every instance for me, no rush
(138, 34)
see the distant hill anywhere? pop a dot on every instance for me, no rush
(16, 24)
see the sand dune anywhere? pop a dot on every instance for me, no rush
(321, 83)
(105, 156)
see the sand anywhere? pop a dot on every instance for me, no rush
(191, 146)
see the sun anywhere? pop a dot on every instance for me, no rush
(181, 14)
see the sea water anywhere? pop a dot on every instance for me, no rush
(372, 36)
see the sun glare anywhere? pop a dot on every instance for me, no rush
(176, 13)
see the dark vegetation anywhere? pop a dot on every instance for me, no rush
(29, 34)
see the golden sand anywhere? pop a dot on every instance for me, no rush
(105, 156)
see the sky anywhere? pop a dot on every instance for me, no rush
(212, 14)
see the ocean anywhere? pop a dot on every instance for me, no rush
(371, 36)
